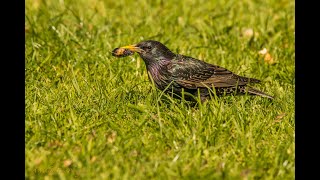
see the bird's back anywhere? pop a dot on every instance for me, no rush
(191, 69)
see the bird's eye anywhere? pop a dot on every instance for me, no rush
(147, 47)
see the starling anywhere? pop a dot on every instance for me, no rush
(174, 73)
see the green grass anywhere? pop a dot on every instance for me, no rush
(90, 115)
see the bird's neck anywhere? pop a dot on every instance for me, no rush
(158, 72)
(157, 67)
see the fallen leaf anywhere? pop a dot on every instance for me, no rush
(37, 161)
(269, 59)
(279, 117)
(93, 159)
(248, 32)
(134, 153)
(55, 144)
(67, 163)
(112, 137)
(267, 56)
(263, 51)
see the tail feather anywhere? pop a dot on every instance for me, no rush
(249, 80)
(253, 80)
(253, 91)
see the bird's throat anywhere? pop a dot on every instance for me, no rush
(157, 72)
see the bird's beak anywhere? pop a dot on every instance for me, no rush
(133, 48)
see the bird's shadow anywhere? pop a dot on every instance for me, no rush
(168, 99)
(133, 96)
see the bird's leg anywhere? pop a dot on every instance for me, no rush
(203, 99)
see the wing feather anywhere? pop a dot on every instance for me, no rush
(192, 73)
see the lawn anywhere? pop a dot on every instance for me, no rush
(90, 115)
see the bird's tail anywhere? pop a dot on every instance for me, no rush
(249, 80)
(253, 91)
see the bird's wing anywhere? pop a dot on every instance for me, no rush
(192, 73)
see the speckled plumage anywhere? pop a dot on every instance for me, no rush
(174, 72)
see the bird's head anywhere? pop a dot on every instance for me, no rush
(151, 51)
